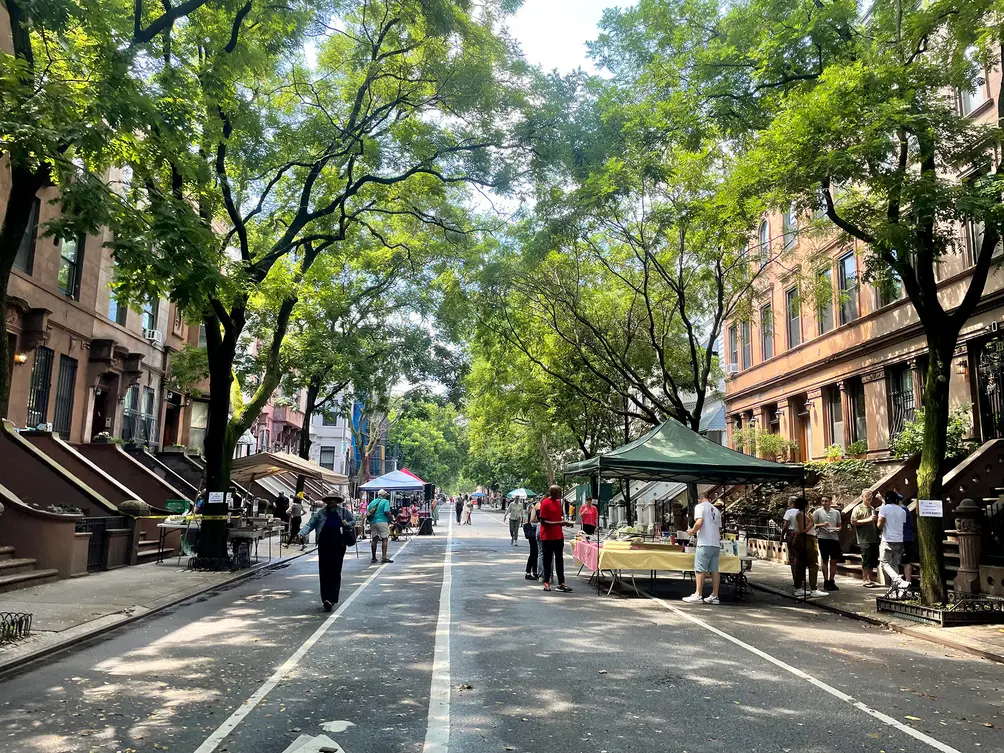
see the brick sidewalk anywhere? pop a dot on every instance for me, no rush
(853, 600)
(72, 610)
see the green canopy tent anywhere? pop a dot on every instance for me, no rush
(672, 452)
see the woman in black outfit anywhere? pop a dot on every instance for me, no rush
(530, 532)
(333, 535)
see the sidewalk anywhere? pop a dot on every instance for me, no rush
(72, 610)
(853, 600)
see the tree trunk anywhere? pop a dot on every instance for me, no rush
(217, 448)
(308, 412)
(929, 530)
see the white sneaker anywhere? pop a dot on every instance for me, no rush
(712, 600)
(693, 599)
(798, 593)
(817, 592)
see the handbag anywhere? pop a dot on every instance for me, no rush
(348, 534)
(529, 532)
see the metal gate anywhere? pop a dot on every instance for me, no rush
(97, 548)
(991, 378)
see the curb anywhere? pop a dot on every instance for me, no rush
(894, 626)
(42, 656)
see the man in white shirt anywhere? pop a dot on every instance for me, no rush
(891, 518)
(828, 522)
(708, 528)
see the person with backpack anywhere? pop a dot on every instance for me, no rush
(334, 535)
(379, 516)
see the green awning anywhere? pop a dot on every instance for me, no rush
(672, 452)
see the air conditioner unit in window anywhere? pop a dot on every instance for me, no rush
(731, 368)
(154, 336)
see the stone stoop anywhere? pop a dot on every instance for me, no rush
(20, 572)
(149, 551)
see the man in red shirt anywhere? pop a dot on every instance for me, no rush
(552, 537)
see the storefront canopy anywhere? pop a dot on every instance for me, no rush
(253, 467)
(672, 452)
(395, 481)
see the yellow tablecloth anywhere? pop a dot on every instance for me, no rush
(618, 555)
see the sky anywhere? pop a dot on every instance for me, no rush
(553, 33)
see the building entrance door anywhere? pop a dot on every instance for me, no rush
(990, 373)
(104, 402)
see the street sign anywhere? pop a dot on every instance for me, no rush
(216, 498)
(930, 508)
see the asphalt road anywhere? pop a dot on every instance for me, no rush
(257, 667)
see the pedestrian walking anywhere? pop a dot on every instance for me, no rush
(515, 515)
(459, 505)
(864, 521)
(891, 520)
(295, 516)
(552, 536)
(379, 516)
(910, 552)
(788, 533)
(806, 548)
(468, 510)
(828, 522)
(590, 517)
(535, 518)
(708, 529)
(334, 535)
(531, 532)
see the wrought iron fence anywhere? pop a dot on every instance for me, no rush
(97, 548)
(14, 626)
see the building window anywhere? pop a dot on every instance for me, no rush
(972, 99)
(38, 392)
(763, 248)
(890, 289)
(901, 398)
(767, 332)
(790, 226)
(62, 420)
(148, 416)
(824, 299)
(327, 458)
(329, 419)
(202, 335)
(747, 345)
(794, 317)
(197, 425)
(71, 258)
(859, 419)
(835, 413)
(974, 240)
(130, 414)
(847, 270)
(733, 346)
(150, 314)
(24, 259)
(737, 426)
(116, 311)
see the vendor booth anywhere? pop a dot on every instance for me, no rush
(404, 487)
(671, 452)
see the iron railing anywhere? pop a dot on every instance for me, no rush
(97, 548)
(903, 408)
(14, 626)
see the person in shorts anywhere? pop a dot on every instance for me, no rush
(828, 523)
(891, 521)
(864, 521)
(708, 530)
(380, 517)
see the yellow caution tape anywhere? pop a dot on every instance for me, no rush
(183, 517)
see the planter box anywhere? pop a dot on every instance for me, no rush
(962, 609)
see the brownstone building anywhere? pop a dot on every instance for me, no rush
(80, 360)
(851, 368)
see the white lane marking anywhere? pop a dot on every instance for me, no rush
(214, 740)
(437, 732)
(885, 718)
